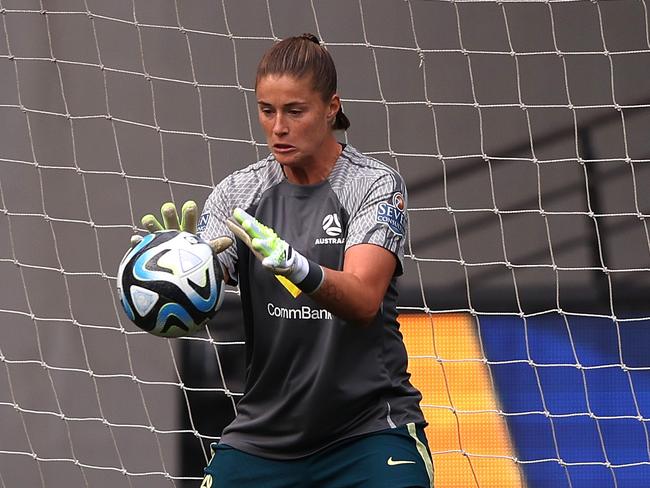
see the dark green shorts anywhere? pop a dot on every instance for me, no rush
(391, 458)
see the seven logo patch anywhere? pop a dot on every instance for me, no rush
(392, 214)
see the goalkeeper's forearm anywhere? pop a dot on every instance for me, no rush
(346, 296)
(356, 293)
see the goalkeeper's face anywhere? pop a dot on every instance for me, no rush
(296, 120)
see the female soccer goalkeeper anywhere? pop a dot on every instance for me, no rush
(319, 243)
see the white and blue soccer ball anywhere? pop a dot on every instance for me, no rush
(170, 284)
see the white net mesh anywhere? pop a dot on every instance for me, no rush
(520, 129)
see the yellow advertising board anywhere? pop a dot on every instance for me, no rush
(468, 437)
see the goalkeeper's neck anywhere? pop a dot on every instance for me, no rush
(315, 168)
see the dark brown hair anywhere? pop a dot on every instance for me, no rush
(304, 56)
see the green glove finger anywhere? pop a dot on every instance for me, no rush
(240, 215)
(189, 217)
(189, 214)
(150, 222)
(261, 240)
(251, 225)
(263, 246)
(239, 231)
(255, 229)
(170, 216)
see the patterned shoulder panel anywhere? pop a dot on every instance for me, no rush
(358, 175)
(374, 196)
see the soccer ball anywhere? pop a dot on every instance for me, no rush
(170, 284)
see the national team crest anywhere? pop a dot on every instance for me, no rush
(393, 214)
(332, 225)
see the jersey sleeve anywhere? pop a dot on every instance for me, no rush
(212, 224)
(381, 218)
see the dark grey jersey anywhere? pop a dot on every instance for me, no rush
(313, 379)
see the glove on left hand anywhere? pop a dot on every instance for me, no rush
(275, 254)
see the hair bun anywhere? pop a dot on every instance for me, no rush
(310, 37)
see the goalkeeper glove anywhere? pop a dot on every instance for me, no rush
(189, 213)
(189, 217)
(275, 254)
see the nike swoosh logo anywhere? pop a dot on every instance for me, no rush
(202, 291)
(391, 462)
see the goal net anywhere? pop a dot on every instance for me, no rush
(521, 131)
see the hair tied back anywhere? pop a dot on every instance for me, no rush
(310, 37)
